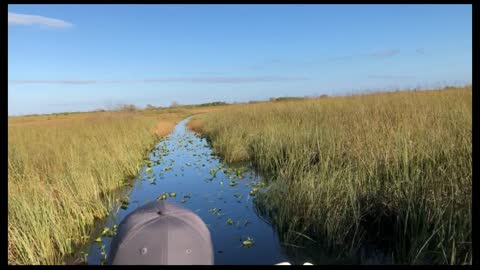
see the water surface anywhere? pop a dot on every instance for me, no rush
(183, 163)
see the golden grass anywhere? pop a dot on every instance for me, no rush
(195, 125)
(347, 170)
(64, 172)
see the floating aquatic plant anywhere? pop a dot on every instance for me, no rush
(162, 197)
(258, 184)
(148, 162)
(213, 172)
(124, 204)
(106, 232)
(248, 242)
(104, 254)
(216, 211)
(229, 221)
(172, 194)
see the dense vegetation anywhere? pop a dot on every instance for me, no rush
(389, 169)
(64, 172)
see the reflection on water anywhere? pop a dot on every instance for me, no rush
(221, 195)
(183, 169)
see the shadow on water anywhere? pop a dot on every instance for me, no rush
(298, 247)
(182, 168)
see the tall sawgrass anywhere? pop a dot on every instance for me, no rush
(392, 170)
(63, 176)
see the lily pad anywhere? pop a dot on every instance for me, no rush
(213, 172)
(258, 184)
(162, 197)
(106, 231)
(248, 242)
(216, 211)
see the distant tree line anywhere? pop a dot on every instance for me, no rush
(216, 103)
(275, 99)
(127, 108)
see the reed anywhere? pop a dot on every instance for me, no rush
(388, 169)
(63, 174)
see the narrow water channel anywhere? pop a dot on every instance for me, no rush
(222, 196)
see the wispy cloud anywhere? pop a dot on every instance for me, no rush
(276, 62)
(27, 19)
(420, 50)
(384, 53)
(391, 77)
(205, 80)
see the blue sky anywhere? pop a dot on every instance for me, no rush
(84, 57)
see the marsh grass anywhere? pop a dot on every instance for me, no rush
(388, 169)
(63, 176)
